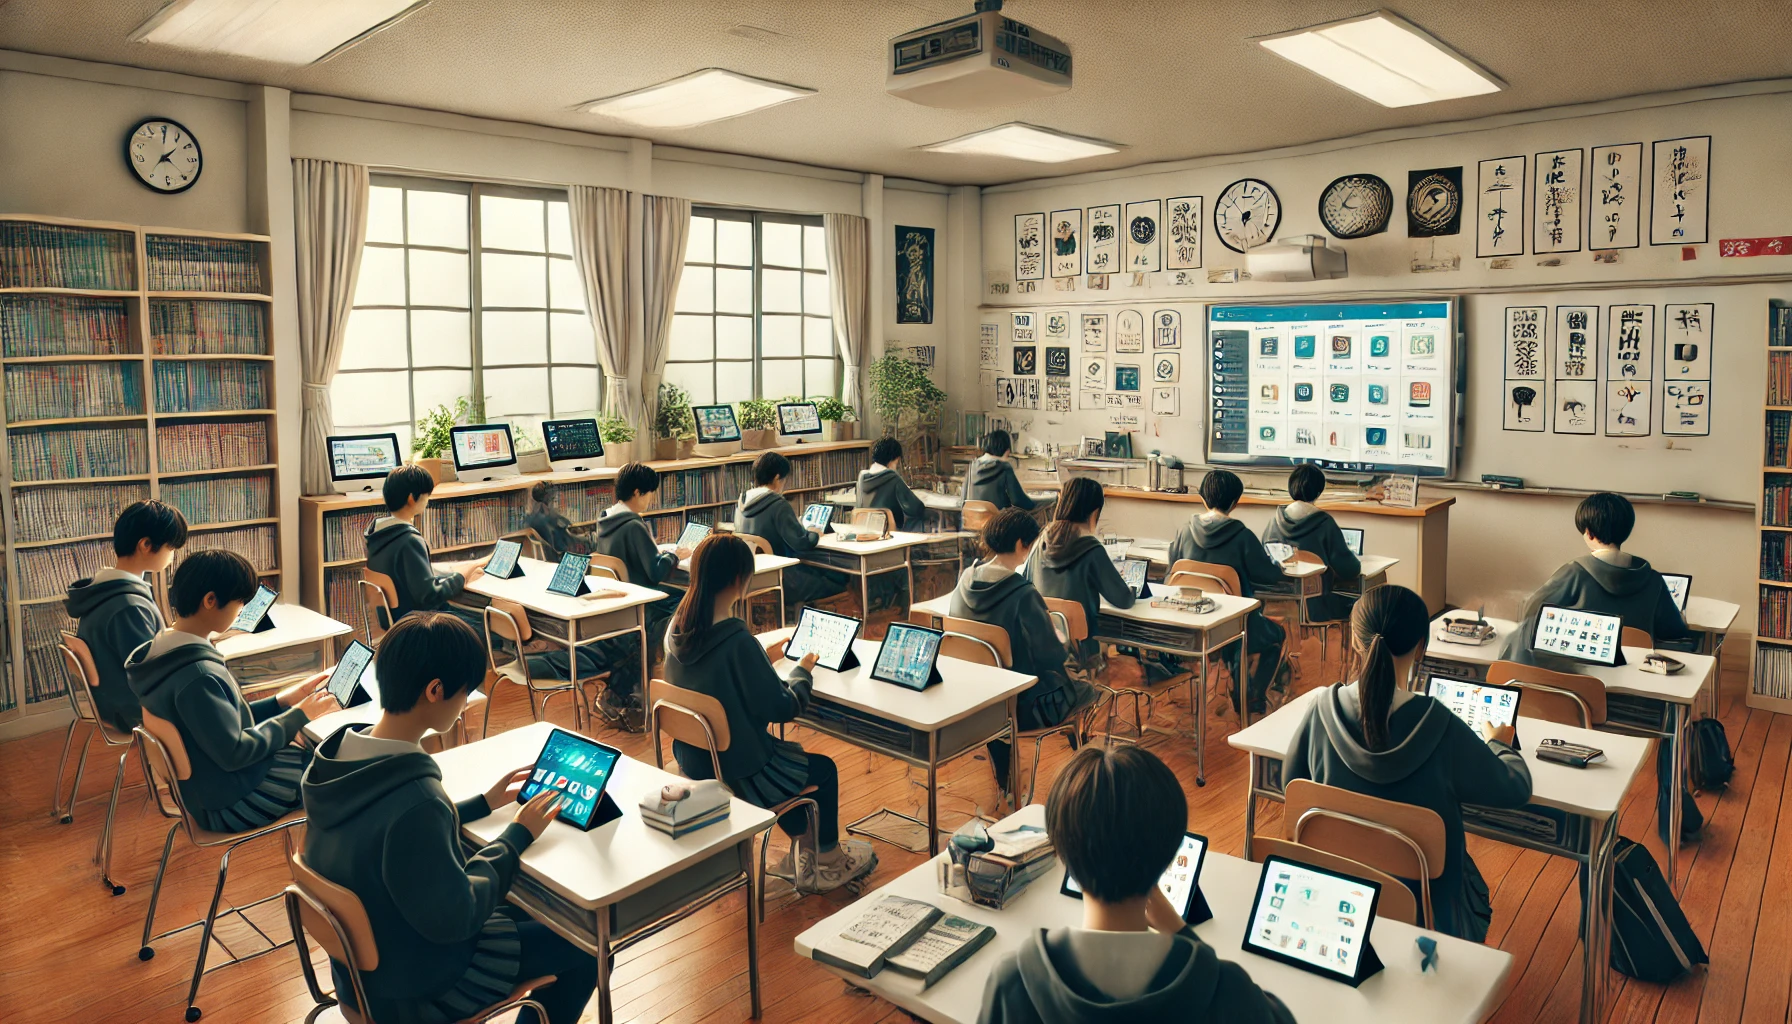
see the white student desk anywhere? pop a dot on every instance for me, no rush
(1461, 988)
(972, 705)
(768, 575)
(1636, 701)
(1579, 820)
(1374, 569)
(868, 558)
(1710, 619)
(299, 644)
(1169, 630)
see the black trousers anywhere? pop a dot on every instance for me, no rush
(825, 777)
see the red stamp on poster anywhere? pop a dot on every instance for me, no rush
(1778, 245)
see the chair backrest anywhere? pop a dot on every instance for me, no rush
(607, 565)
(966, 639)
(871, 519)
(1632, 636)
(759, 544)
(976, 514)
(335, 918)
(508, 620)
(83, 674)
(1403, 840)
(1396, 899)
(378, 594)
(1307, 557)
(1076, 618)
(168, 748)
(1206, 575)
(537, 548)
(922, 617)
(689, 717)
(1563, 697)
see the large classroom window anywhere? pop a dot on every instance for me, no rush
(753, 317)
(431, 323)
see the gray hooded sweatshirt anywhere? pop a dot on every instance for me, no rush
(1635, 592)
(116, 613)
(1223, 540)
(993, 480)
(883, 487)
(1080, 570)
(1008, 600)
(1318, 532)
(621, 533)
(766, 513)
(394, 547)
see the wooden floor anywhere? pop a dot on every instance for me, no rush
(68, 949)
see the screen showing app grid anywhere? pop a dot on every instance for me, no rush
(348, 671)
(576, 767)
(1312, 915)
(254, 609)
(474, 448)
(568, 573)
(692, 536)
(572, 439)
(828, 636)
(504, 554)
(907, 656)
(1476, 703)
(1178, 880)
(1678, 587)
(818, 516)
(352, 457)
(1587, 636)
(1353, 539)
(1132, 570)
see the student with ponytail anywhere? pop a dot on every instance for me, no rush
(1374, 736)
(1072, 564)
(710, 651)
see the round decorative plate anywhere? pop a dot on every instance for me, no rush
(1356, 205)
(1434, 203)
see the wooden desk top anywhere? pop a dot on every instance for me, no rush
(531, 591)
(1681, 688)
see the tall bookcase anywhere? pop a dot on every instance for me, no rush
(1771, 685)
(464, 519)
(138, 362)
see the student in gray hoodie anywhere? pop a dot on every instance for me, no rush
(882, 486)
(710, 651)
(396, 548)
(1116, 819)
(245, 764)
(1074, 565)
(380, 825)
(1374, 736)
(990, 477)
(621, 533)
(994, 591)
(1214, 536)
(115, 610)
(1305, 526)
(764, 512)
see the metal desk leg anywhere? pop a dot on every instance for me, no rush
(1013, 755)
(646, 652)
(864, 590)
(1596, 922)
(933, 793)
(753, 884)
(605, 1014)
(1250, 803)
(1677, 720)
(1197, 700)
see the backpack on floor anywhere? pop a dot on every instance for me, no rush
(1692, 820)
(1711, 765)
(1651, 940)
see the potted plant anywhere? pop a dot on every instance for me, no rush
(433, 438)
(618, 436)
(674, 428)
(531, 451)
(837, 417)
(758, 423)
(909, 402)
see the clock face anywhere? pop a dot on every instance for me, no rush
(163, 155)
(1247, 214)
(1356, 205)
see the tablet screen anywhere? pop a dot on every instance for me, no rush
(569, 440)
(503, 560)
(1132, 570)
(1311, 918)
(715, 423)
(348, 671)
(830, 636)
(1279, 552)
(577, 767)
(907, 655)
(477, 447)
(1475, 703)
(1583, 636)
(692, 536)
(798, 418)
(1353, 539)
(1679, 587)
(254, 609)
(363, 456)
(568, 574)
(1178, 881)
(817, 517)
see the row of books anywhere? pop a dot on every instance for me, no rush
(1779, 378)
(45, 391)
(584, 502)
(259, 544)
(77, 452)
(222, 499)
(179, 264)
(207, 326)
(185, 447)
(48, 513)
(210, 386)
(827, 469)
(703, 486)
(61, 325)
(55, 256)
(1773, 672)
(472, 520)
(45, 674)
(1776, 613)
(342, 597)
(1779, 323)
(345, 533)
(47, 572)
(1776, 500)
(1776, 556)
(9, 697)
(1779, 438)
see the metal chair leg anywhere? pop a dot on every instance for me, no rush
(74, 795)
(145, 951)
(205, 934)
(56, 809)
(103, 852)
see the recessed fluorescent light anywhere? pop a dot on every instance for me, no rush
(1386, 58)
(697, 98)
(1019, 141)
(282, 31)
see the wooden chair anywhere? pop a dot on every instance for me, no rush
(1566, 698)
(1631, 636)
(379, 598)
(534, 546)
(761, 546)
(508, 620)
(976, 514)
(166, 762)
(77, 660)
(607, 565)
(1397, 900)
(1398, 839)
(334, 916)
(1072, 621)
(1324, 627)
(699, 720)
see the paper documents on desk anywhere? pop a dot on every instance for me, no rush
(950, 942)
(1018, 842)
(886, 928)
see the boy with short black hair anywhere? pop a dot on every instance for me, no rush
(396, 548)
(245, 765)
(882, 486)
(1116, 817)
(764, 512)
(1214, 536)
(116, 611)
(623, 534)
(557, 533)
(1307, 527)
(990, 477)
(380, 825)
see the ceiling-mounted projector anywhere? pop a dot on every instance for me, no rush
(1301, 258)
(980, 60)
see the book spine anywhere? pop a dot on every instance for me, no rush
(219, 444)
(76, 452)
(209, 387)
(181, 264)
(57, 256)
(225, 499)
(47, 513)
(42, 626)
(258, 544)
(62, 325)
(47, 572)
(72, 390)
(184, 327)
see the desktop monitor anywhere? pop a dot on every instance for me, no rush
(573, 445)
(483, 452)
(798, 419)
(718, 433)
(360, 462)
(1353, 539)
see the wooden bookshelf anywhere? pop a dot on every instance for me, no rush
(1770, 686)
(703, 490)
(115, 328)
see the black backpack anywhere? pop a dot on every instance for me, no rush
(1711, 765)
(1692, 820)
(1651, 940)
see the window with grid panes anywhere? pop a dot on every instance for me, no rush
(753, 318)
(432, 324)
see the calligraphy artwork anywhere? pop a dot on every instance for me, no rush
(1166, 368)
(988, 345)
(1103, 247)
(914, 275)
(1095, 332)
(1006, 392)
(1057, 361)
(1166, 401)
(1501, 196)
(1686, 333)
(1686, 408)
(1057, 326)
(1144, 248)
(1166, 329)
(1182, 233)
(1095, 373)
(1576, 403)
(1682, 191)
(1029, 394)
(1627, 408)
(1129, 331)
(1434, 202)
(1029, 247)
(1066, 242)
(1555, 225)
(1577, 343)
(923, 355)
(1615, 203)
(1126, 376)
(1526, 342)
(1057, 396)
(1630, 343)
(1086, 400)
(1524, 405)
(1024, 330)
(1026, 360)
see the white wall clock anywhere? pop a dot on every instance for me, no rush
(1356, 205)
(1246, 214)
(163, 155)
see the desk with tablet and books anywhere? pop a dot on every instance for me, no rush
(1573, 812)
(296, 643)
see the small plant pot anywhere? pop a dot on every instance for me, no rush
(618, 453)
(665, 449)
(687, 447)
(835, 430)
(532, 462)
(759, 440)
(441, 470)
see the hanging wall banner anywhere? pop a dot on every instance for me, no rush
(1556, 224)
(1182, 233)
(1095, 332)
(1526, 342)
(1501, 211)
(1166, 329)
(1630, 343)
(1577, 343)
(1103, 248)
(1143, 246)
(1682, 191)
(1615, 206)
(1029, 247)
(1129, 331)
(914, 275)
(1067, 242)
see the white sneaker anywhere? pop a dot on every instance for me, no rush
(785, 866)
(848, 862)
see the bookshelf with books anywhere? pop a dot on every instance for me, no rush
(137, 362)
(1770, 687)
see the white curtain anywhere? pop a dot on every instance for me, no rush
(667, 227)
(600, 251)
(330, 221)
(849, 287)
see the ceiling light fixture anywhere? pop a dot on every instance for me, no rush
(1019, 141)
(1385, 58)
(697, 98)
(281, 31)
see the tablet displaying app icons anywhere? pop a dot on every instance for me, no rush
(1312, 918)
(828, 635)
(1581, 635)
(1132, 570)
(1477, 703)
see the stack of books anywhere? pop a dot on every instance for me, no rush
(685, 807)
(911, 937)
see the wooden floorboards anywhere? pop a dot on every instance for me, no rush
(68, 949)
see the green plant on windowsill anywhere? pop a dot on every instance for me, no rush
(757, 413)
(672, 418)
(615, 430)
(833, 410)
(433, 438)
